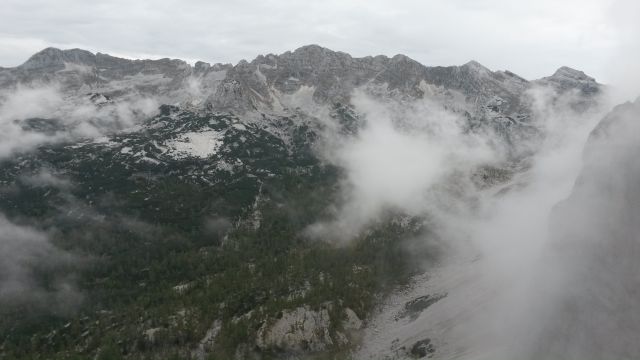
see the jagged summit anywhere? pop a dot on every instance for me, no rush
(477, 66)
(566, 78)
(55, 56)
(259, 84)
(567, 72)
(314, 49)
(321, 51)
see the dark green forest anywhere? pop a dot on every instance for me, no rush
(175, 245)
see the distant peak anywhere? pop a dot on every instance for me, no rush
(58, 52)
(312, 48)
(44, 58)
(316, 53)
(400, 57)
(567, 72)
(474, 65)
(48, 50)
(55, 57)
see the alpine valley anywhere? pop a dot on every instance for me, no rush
(156, 209)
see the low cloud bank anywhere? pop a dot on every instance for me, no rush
(28, 261)
(36, 114)
(404, 158)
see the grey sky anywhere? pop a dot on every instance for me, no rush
(531, 38)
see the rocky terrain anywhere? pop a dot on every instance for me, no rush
(177, 201)
(600, 218)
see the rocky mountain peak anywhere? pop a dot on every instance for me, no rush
(315, 56)
(567, 79)
(314, 50)
(53, 57)
(566, 72)
(477, 67)
(400, 58)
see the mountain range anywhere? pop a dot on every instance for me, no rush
(176, 203)
(262, 83)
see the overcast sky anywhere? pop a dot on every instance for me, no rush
(529, 37)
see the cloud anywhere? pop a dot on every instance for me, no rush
(47, 178)
(588, 274)
(506, 240)
(35, 114)
(218, 225)
(25, 255)
(622, 70)
(494, 265)
(86, 119)
(22, 103)
(403, 152)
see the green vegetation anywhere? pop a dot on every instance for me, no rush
(165, 249)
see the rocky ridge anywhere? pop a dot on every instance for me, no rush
(262, 83)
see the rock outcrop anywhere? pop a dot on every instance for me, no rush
(304, 330)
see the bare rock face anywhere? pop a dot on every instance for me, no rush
(422, 348)
(208, 342)
(298, 330)
(352, 321)
(304, 330)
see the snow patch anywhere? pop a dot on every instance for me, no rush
(195, 144)
(239, 126)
